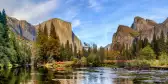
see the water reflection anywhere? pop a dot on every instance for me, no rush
(82, 76)
(15, 76)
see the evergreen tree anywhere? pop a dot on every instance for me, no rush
(75, 50)
(154, 45)
(161, 43)
(4, 20)
(102, 54)
(67, 47)
(145, 42)
(0, 17)
(63, 53)
(53, 44)
(41, 42)
(45, 30)
(6, 29)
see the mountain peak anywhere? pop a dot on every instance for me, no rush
(57, 19)
(138, 18)
(125, 29)
(151, 22)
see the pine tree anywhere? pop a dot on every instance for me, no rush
(45, 30)
(102, 54)
(53, 44)
(161, 43)
(75, 50)
(67, 47)
(4, 20)
(154, 45)
(41, 42)
(6, 29)
(145, 42)
(0, 17)
(53, 32)
(63, 54)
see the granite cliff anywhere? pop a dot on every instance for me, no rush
(64, 32)
(27, 31)
(141, 28)
(122, 37)
(22, 28)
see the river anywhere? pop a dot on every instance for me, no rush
(97, 75)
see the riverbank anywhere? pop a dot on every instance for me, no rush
(127, 64)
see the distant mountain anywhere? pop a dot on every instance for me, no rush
(22, 28)
(62, 28)
(141, 28)
(108, 47)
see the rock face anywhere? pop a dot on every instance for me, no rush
(22, 28)
(144, 28)
(64, 32)
(122, 37)
(76, 42)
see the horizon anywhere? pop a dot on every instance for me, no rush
(88, 15)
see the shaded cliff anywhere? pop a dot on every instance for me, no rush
(123, 36)
(22, 28)
(141, 28)
(144, 27)
(76, 42)
(63, 30)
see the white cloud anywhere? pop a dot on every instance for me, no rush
(94, 4)
(30, 10)
(75, 23)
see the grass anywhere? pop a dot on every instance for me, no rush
(147, 63)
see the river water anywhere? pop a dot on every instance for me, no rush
(97, 75)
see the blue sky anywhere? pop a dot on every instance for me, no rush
(93, 21)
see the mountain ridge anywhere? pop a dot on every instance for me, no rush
(145, 28)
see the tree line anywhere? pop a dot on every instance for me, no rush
(49, 48)
(13, 51)
(142, 48)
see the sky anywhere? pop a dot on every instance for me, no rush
(93, 21)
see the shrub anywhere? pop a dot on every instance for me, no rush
(83, 61)
(163, 59)
(93, 59)
(147, 53)
(138, 63)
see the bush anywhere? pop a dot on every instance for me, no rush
(163, 58)
(93, 59)
(147, 53)
(83, 61)
(75, 61)
(138, 63)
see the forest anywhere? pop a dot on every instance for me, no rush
(14, 51)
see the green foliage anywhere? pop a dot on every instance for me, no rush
(12, 51)
(145, 42)
(138, 64)
(84, 60)
(147, 53)
(102, 54)
(161, 43)
(93, 59)
(134, 34)
(163, 58)
(154, 45)
(48, 46)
